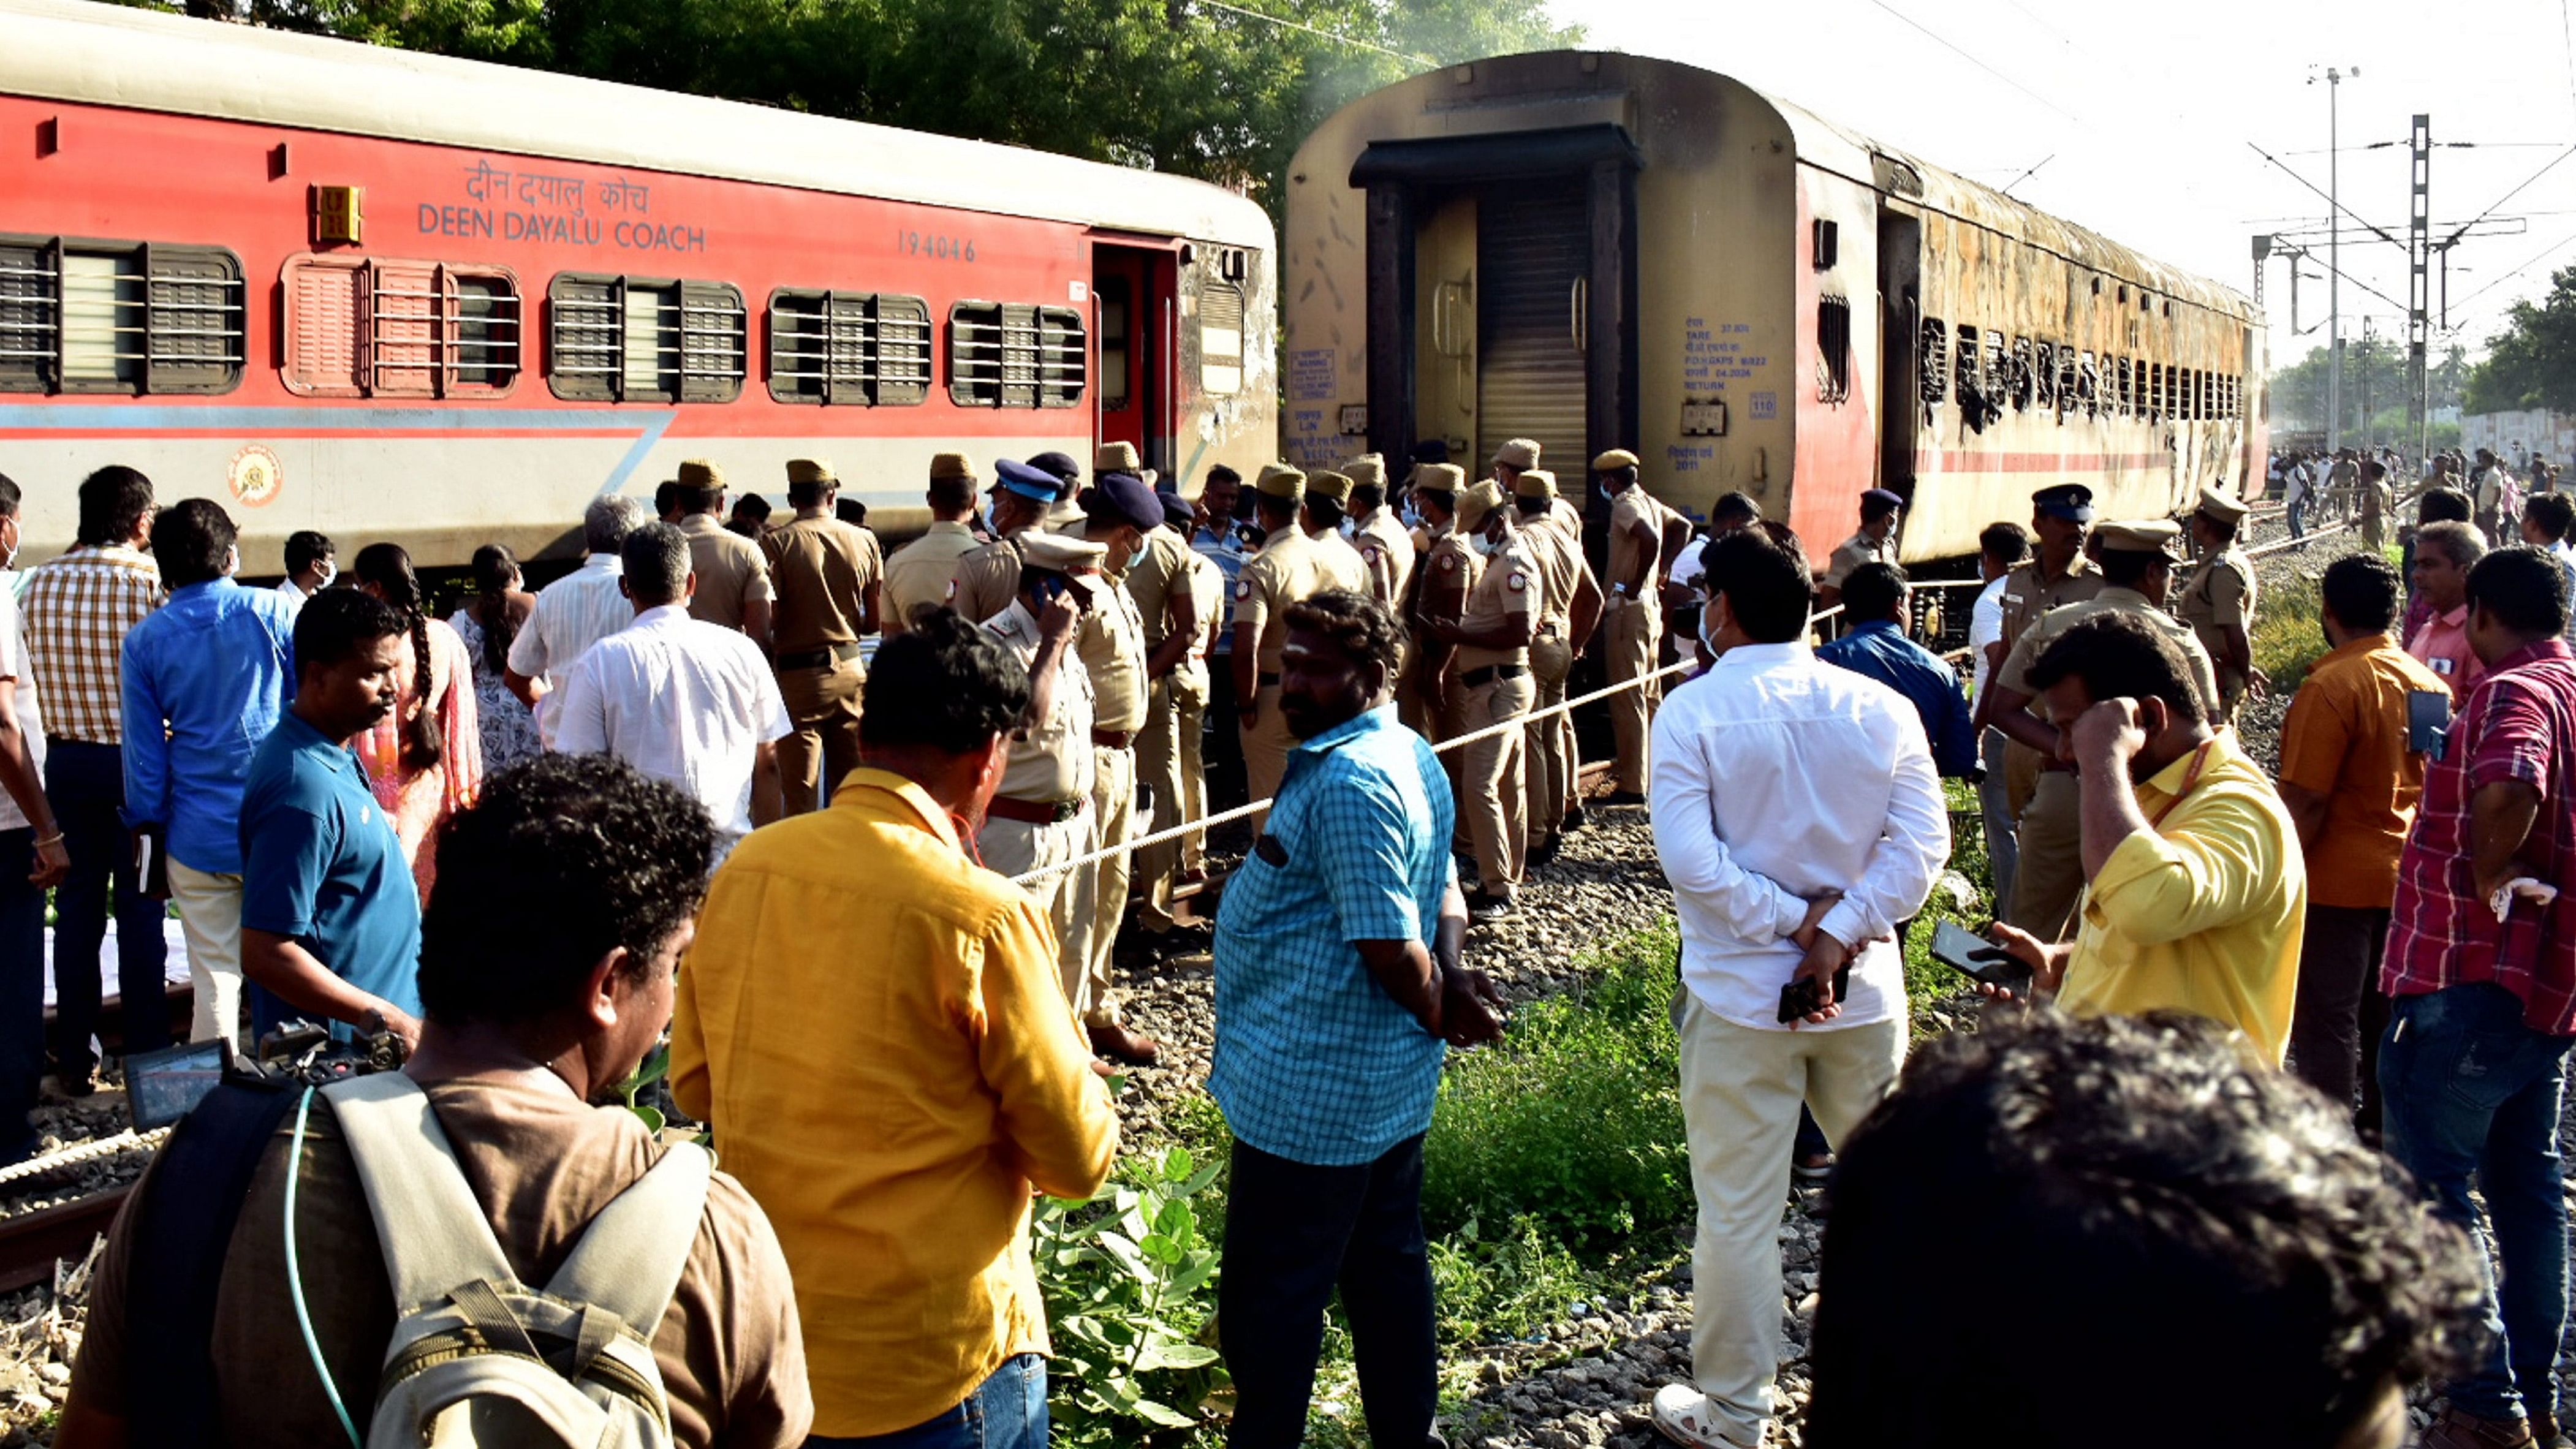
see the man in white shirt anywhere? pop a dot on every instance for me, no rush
(1998, 548)
(1799, 819)
(684, 701)
(311, 564)
(575, 611)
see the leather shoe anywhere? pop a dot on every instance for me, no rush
(1544, 852)
(1484, 910)
(1575, 819)
(1118, 1044)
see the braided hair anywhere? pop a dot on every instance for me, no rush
(495, 570)
(388, 569)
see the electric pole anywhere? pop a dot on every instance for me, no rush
(2334, 253)
(2419, 291)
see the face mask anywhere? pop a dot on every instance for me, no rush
(1706, 611)
(1349, 529)
(16, 537)
(232, 561)
(1486, 546)
(1412, 515)
(330, 571)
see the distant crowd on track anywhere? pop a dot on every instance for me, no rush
(855, 833)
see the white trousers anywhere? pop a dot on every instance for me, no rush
(210, 912)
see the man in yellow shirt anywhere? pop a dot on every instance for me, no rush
(872, 1025)
(2195, 889)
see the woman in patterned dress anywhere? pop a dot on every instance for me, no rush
(487, 625)
(425, 760)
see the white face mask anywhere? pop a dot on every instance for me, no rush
(330, 571)
(1348, 528)
(1486, 546)
(1708, 612)
(16, 537)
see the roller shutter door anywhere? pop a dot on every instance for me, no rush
(1532, 245)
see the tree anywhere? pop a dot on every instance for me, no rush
(1186, 86)
(2532, 363)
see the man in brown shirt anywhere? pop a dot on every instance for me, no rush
(1635, 609)
(1180, 597)
(733, 575)
(1573, 608)
(1324, 515)
(1386, 551)
(1492, 638)
(2057, 573)
(1284, 572)
(920, 574)
(988, 579)
(827, 574)
(565, 898)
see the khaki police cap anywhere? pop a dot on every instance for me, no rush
(1061, 553)
(1614, 460)
(1281, 481)
(1325, 483)
(1439, 477)
(810, 470)
(952, 465)
(1476, 502)
(699, 473)
(2222, 505)
(1116, 458)
(1518, 453)
(2145, 535)
(1367, 468)
(1534, 483)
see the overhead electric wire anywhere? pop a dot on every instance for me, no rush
(2541, 256)
(1279, 20)
(1946, 43)
(2510, 195)
(2292, 173)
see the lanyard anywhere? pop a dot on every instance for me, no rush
(2190, 777)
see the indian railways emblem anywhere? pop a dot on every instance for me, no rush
(255, 475)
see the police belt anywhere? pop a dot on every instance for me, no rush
(1479, 678)
(823, 658)
(1113, 739)
(1036, 812)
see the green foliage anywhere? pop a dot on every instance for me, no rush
(1574, 1120)
(2532, 362)
(2288, 634)
(1491, 1288)
(2374, 390)
(649, 1072)
(1129, 1282)
(1167, 85)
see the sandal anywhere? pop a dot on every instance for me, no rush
(1685, 1416)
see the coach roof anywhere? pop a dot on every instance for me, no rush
(71, 50)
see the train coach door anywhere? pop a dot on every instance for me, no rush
(1133, 316)
(1900, 331)
(1533, 252)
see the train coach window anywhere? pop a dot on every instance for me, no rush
(1935, 354)
(1971, 386)
(383, 327)
(1064, 357)
(2043, 374)
(848, 348)
(629, 339)
(1833, 349)
(1221, 339)
(135, 317)
(1004, 355)
(2123, 396)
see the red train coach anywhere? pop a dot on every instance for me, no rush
(387, 295)
(1599, 250)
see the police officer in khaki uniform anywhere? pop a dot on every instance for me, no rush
(1634, 609)
(919, 574)
(1492, 640)
(733, 575)
(1180, 597)
(1573, 607)
(827, 574)
(1283, 572)
(1386, 550)
(1118, 512)
(1880, 509)
(1510, 461)
(1324, 515)
(2137, 576)
(1420, 695)
(2218, 603)
(2057, 573)
(1041, 813)
(988, 578)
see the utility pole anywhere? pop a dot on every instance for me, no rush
(2334, 253)
(2419, 290)
(2366, 354)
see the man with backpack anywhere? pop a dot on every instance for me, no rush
(564, 900)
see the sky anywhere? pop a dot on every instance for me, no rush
(2138, 121)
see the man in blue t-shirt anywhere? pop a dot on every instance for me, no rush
(330, 919)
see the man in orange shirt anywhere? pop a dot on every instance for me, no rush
(873, 1026)
(2351, 773)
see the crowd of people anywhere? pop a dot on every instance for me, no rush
(864, 830)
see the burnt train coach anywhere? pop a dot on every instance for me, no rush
(1599, 250)
(388, 295)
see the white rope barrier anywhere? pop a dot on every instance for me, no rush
(123, 1142)
(1242, 812)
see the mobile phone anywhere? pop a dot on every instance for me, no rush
(2428, 721)
(1798, 999)
(1977, 958)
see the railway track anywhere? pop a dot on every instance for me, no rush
(33, 1244)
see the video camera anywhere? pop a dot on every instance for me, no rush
(162, 1087)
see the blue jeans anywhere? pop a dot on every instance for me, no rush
(2298, 515)
(22, 992)
(2471, 1090)
(86, 785)
(1006, 1411)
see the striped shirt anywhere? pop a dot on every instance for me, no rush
(572, 613)
(78, 608)
(2518, 722)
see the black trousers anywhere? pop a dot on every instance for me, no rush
(86, 784)
(1294, 1232)
(2340, 1016)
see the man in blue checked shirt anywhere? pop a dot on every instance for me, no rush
(1874, 602)
(1338, 992)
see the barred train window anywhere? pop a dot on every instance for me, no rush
(383, 327)
(1833, 349)
(632, 339)
(1006, 355)
(132, 317)
(1221, 339)
(1933, 360)
(862, 349)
